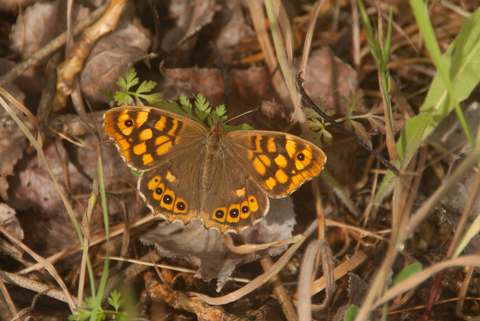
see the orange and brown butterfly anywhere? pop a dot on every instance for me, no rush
(188, 171)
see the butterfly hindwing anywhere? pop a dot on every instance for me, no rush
(177, 190)
(162, 190)
(234, 201)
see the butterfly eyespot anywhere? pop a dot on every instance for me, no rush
(181, 206)
(300, 156)
(159, 191)
(219, 214)
(167, 199)
(128, 123)
(234, 213)
(245, 209)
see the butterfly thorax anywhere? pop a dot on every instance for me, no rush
(214, 139)
(213, 152)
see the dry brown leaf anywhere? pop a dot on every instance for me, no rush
(192, 15)
(14, 5)
(33, 188)
(12, 141)
(329, 77)
(207, 250)
(233, 31)
(36, 27)
(247, 87)
(9, 221)
(111, 57)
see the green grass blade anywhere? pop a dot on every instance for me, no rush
(410, 139)
(351, 313)
(463, 61)
(445, 90)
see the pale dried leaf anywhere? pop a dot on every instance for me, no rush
(207, 250)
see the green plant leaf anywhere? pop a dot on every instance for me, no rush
(360, 131)
(469, 234)
(410, 140)
(115, 300)
(407, 272)
(463, 62)
(351, 313)
(127, 97)
(228, 128)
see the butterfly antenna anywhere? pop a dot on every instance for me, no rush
(241, 115)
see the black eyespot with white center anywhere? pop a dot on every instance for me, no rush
(219, 214)
(300, 156)
(181, 206)
(245, 209)
(159, 191)
(128, 123)
(167, 199)
(234, 213)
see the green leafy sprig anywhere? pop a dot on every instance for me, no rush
(129, 97)
(201, 111)
(114, 300)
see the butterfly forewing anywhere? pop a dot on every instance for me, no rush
(147, 136)
(279, 162)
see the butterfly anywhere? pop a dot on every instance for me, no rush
(189, 171)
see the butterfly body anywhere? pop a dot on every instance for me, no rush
(223, 179)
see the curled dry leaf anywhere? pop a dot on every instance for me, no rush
(207, 250)
(111, 57)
